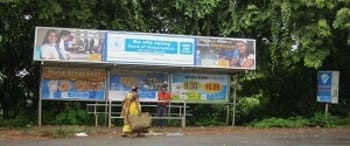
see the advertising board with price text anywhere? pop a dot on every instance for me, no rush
(200, 88)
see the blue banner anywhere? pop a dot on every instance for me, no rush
(324, 86)
(148, 84)
(72, 84)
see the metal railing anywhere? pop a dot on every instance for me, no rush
(176, 111)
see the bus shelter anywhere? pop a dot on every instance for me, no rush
(101, 66)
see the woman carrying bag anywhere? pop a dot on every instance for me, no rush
(131, 106)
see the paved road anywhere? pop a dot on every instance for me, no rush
(258, 139)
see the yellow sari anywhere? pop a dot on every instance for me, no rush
(131, 106)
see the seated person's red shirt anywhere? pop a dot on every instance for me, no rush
(164, 96)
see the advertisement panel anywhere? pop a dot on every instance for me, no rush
(73, 83)
(149, 49)
(205, 88)
(225, 53)
(111, 47)
(327, 86)
(148, 84)
(69, 45)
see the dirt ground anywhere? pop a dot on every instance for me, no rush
(45, 132)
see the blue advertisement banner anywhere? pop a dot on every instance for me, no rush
(150, 49)
(148, 84)
(73, 84)
(327, 86)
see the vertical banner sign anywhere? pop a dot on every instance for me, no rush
(73, 83)
(149, 49)
(205, 88)
(328, 86)
(148, 84)
(68, 45)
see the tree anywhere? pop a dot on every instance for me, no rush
(294, 40)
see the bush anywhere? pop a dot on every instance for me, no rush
(20, 120)
(73, 117)
(294, 122)
(322, 120)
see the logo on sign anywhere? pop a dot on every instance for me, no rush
(324, 78)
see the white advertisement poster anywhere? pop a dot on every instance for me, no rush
(149, 49)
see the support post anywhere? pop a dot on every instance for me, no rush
(235, 84)
(326, 111)
(40, 95)
(110, 114)
(227, 112)
(39, 113)
(183, 123)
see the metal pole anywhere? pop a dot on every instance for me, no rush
(40, 95)
(235, 82)
(234, 107)
(39, 113)
(95, 114)
(107, 110)
(326, 111)
(184, 116)
(110, 114)
(227, 112)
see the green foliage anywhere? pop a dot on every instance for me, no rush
(206, 114)
(294, 122)
(293, 38)
(247, 108)
(18, 121)
(73, 117)
(318, 120)
(322, 120)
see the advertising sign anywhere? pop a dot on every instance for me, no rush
(113, 47)
(225, 53)
(148, 84)
(199, 87)
(73, 83)
(327, 86)
(150, 49)
(70, 45)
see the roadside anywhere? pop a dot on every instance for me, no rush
(59, 132)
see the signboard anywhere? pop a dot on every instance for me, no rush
(149, 49)
(73, 83)
(111, 47)
(225, 53)
(148, 84)
(206, 88)
(327, 86)
(69, 45)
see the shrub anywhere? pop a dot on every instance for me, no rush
(294, 122)
(322, 120)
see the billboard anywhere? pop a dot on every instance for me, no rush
(149, 49)
(148, 84)
(225, 53)
(202, 88)
(70, 45)
(111, 47)
(73, 83)
(327, 86)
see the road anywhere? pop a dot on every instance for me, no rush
(313, 138)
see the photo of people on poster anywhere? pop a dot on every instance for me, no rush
(61, 44)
